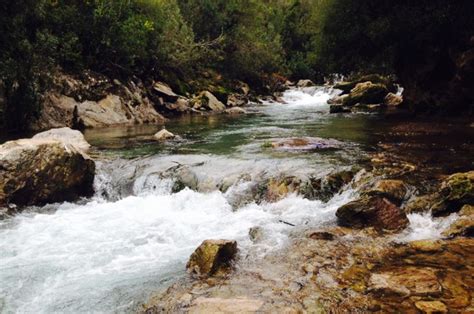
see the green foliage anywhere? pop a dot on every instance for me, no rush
(248, 39)
(251, 40)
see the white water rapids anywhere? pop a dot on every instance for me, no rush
(104, 255)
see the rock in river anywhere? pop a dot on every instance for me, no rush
(372, 211)
(44, 169)
(212, 257)
(305, 144)
(164, 135)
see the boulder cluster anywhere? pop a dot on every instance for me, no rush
(92, 100)
(365, 93)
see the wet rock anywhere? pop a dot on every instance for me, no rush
(431, 307)
(325, 188)
(339, 108)
(184, 178)
(277, 188)
(43, 170)
(66, 136)
(405, 282)
(337, 100)
(305, 143)
(375, 211)
(464, 225)
(393, 100)
(235, 111)
(420, 204)
(366, 108)
(164, 135)
(322, 235)
(221, 305)
(366, 93)
(206, 100)
(304, 83)
(256, 234)
(212, 257)
(394, 190)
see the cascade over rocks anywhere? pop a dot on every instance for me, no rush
(212, 257)
(49, 167)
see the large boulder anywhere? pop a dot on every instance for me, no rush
(43, 170)
(347, 86)
(66, 135)
(366, 93)
(212, 257)
(207, 101)
(372, 211)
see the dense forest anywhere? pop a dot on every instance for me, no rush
(422, 42)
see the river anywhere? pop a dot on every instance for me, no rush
(111, 252)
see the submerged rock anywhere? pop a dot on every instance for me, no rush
(339, 108)
(42, 170)
(256, 234)
(305, 143)
(372, 211)
(212, 257)
(235, 111)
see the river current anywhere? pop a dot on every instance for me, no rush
(111, 252)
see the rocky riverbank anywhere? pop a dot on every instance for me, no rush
(91, 100)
